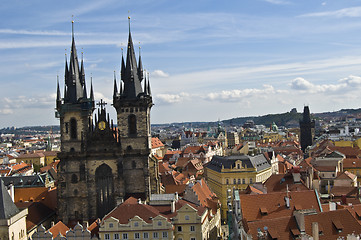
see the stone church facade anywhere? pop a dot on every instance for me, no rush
(102, 164)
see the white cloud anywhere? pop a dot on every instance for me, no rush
(344, 85)
(159, 73)
(345, 12)
(277, 1)
(236, 94)
(171, 98)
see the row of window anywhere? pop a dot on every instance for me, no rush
(192, 228)
(238, 181)
(145, 235)
(133, 109)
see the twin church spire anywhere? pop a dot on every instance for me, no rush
(75, 90)
(132, 75)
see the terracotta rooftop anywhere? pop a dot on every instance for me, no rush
(131, 208)
(275, 204)
(194, 149)
(333, 224)
(351, 163)
(156, 143)
(280, 182)
(59, 227)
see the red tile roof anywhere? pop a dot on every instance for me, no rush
(131, 208)
(280, 182)
(59, 227)
(156, 143)
(275, 204)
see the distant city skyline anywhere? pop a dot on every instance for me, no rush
(207, 60)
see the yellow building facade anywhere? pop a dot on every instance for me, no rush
(235, 172)
(167, 217)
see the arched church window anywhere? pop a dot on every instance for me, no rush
(134, 165)
(73, 129)
(104, 189)
(120, 168)
(132, 124)
(82, 171)
(74, 178)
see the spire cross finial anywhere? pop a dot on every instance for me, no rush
(101, 104)
(72, 25)
(139, 48)
(129, 20)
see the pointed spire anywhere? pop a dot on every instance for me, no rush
(122, 68)
(149, 92)
(58, 97)
(65, 93)
(82, 72)
(145, 86)
(121, 88)
(74, 78)
(85, 95)
(130, 73)
(140, 67)
(115, 87)
(66, 74)
(91, 92)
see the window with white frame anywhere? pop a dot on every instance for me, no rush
(116, 235)
(186, 217)
(159, 223)
(145, 235)
(165, 234)
(106, 236)
(125, 235)
(193, 228)
(136, 224)
(111, 225)
(155, 235)
(136, 236)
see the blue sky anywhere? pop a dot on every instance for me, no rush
(207, 60)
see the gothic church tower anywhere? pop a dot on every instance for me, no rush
(100, 164)
(306, 126)
(133, 104)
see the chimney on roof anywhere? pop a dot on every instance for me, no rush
(343, 199)
(176, 196)
(172, 206)
(332, 206)
(315, 231)
(287, 201)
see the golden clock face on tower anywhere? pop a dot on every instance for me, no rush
(101, 125)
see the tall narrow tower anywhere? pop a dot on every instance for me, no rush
(75, 111)
(306, 126)
(100, 164)
(133, 104)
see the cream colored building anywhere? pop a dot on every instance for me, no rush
(165, 217)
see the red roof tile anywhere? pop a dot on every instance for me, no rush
(59, 227)
(156, 143)
(275, 203)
